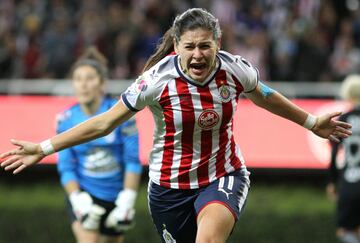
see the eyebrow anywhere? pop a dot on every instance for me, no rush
(201, 43)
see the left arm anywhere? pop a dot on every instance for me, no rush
(122, 215)
(323, 126)
(133, 167)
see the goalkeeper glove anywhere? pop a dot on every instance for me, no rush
(91, 221)
(121, 217)
(81, 203)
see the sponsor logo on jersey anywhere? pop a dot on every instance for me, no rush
(224, 92)
(208, 119)
(168, 238)
(140, 85)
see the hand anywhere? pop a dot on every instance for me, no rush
(81, 203)
(120, 220)
(331, 191)
(327, 127)
(91, 221)
(122, 216)
(25, 155)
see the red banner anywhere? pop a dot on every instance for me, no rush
(266, 141)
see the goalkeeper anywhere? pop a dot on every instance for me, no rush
(100, 177)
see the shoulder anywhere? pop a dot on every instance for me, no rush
(164, 68)
(67, 114)
(240, 68)
(234, 60)
(158, 76)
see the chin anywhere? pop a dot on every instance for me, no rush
(199, 78)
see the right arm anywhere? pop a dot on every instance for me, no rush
(27, 153)
(93, 128)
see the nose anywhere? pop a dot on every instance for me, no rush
(197, 54)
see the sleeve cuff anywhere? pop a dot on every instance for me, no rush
(66, 177)
(127, 103)
(134, 168)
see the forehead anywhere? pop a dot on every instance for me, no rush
(85, 69)
(197, 35)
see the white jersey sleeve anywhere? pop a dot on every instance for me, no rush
(147, 88)
(238, 66)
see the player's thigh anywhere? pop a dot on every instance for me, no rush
(111, 239)
(220, 204)
(231, 191)
(215, 223)
(82, 235)
(173, 213)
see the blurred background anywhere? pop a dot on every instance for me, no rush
(303, 48)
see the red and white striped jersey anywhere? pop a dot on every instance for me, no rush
(193, 138)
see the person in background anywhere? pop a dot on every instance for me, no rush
(198, 178)
(344, 185)
(101, 177)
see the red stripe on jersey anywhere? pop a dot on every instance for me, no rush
(188, 123)
(238, 86)
(206, 138)
(227, 113)
(235, 161)
(168, 153)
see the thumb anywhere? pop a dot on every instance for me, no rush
(335, 114)
(17, 142)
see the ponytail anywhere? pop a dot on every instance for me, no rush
(92, 57)
(164, 48)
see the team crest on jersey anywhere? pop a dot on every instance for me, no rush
(208, 119)
(224, 92)
(168, 238)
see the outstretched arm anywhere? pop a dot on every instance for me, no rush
(28, 153)
(324, 126)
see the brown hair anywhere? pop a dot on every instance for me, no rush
(93, 58)
(189, 20)
(164, 48)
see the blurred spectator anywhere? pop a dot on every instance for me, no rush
(282, 37)
(346, 56)
(56, 45)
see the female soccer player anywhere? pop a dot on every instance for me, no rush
(101, 177)
(345, 181)
(198, 179)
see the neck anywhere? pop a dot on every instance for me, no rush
(91, 107)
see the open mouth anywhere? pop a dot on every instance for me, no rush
(197, 68)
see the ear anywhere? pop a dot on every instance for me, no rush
(218, 42)
(175, 43)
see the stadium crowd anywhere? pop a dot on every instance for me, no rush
(308, 40)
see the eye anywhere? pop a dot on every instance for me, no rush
(189, 47)
(205, 46)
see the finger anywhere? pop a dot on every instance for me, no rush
(21, 168)
(17, 142)
(343, 124)
(335, 114)
(14, 165)
(343, 130)
(339, 134)
(9, 161)
(334, 139)
(6, 154)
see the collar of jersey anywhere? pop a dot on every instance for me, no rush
(192, 81)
